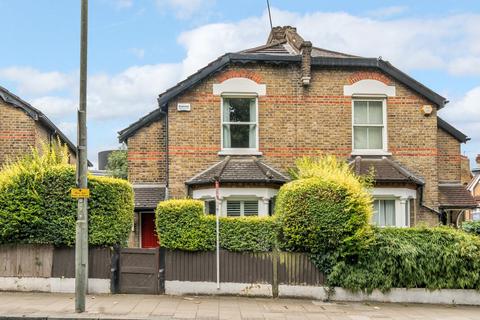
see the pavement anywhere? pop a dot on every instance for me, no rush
(61, 306)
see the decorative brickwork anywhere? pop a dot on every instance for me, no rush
(239, 74)
(362, 75)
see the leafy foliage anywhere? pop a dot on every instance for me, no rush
(326, 207)
(181, 224)
(117, 165)
(432, 258)
(471, 227)
(36, 207)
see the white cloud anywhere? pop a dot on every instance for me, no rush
(137, 52)
(54, 106)
(69, 128)
(184, 9)
(32, 81)
(465, 66)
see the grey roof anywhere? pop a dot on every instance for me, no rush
(384, 170)
(284, 48)
(148, 197)
(457, 134)
(245, 58)
(455, 196)
(239, 170)
(36, 115)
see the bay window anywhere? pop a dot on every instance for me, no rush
(238, 208)
(239, 123)
(369, 119)
(384, 213)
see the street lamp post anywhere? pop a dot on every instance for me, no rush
(81, 236)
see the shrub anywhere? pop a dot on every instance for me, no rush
(471, 227)
(181, 224)
(327, 207)
(36, 207)
(432, 258)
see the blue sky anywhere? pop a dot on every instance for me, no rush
(138, 48)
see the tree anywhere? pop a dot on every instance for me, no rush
(117, 165)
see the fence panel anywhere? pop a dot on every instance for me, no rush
(24, 260)
(99, 262)
(295, 268)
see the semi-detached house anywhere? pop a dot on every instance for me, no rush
(246, 117)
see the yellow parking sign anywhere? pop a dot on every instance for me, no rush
(80, 193)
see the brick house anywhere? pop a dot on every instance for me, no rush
(246, 117)
(474, 188)
(23, 127)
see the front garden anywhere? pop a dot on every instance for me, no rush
(325, 212)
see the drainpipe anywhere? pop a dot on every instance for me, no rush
(164, 111)
(422, 204)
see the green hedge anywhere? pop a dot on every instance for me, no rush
(327, 207)
(181, 224)
(432, 258)
(471, 227)
(36, 207)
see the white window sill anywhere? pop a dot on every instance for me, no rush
(370, 153)
(239, 152)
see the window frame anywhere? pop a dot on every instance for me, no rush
(242, 207)
(402, 211)
(247, 151)
(384, 126)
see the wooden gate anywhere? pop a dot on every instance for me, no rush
(139, 271)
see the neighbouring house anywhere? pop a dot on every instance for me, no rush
(246, 117)
(23, 127)
(474, 188)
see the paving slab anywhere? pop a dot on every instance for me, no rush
(132, 307)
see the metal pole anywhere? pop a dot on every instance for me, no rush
(81, 237)
(217, 228)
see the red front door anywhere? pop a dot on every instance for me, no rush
(149, 234)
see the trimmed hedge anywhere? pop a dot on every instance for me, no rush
(181, 224)
(36, 207)
(433, 258)
(471, 227)
(326, 208)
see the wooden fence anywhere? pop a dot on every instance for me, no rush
(25, 260)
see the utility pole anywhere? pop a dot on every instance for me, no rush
(81, 236)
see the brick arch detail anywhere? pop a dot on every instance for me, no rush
(364, 75)
(240, 74)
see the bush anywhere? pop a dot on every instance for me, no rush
(327, 207)
(181, 224)
(36, 207)
(471, 227)
(433, 258)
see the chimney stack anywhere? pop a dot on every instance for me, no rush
(306, 50)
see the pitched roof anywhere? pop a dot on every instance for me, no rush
(457, 134)
(384, 170)
(239, 170)
(148, 196)
(283, 47)
(455, 196)
(36, 115)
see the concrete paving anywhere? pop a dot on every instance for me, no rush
(61, 306)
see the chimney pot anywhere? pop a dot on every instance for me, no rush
(477, 159)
